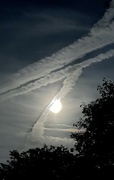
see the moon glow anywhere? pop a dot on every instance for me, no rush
(56, 106)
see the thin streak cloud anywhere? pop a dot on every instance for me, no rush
(51, 69)
(71, 72)
(68, 84)
(73, 52)
(105, 20)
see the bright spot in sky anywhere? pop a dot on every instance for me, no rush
(56, 106)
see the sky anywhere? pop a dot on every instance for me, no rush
(50, 50)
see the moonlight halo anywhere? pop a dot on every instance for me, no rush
(56, 106)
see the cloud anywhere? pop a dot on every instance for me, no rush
(105, 20)
(71, 79)
(69, 82)
(73, 52)
(61, 58)
(56, 67)
(71, 72)
(62, 129)
(49, 140)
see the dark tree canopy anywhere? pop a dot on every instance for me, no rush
(94, 143)
(47, 162)
(98, 122)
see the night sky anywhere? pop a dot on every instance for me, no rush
(50, 50)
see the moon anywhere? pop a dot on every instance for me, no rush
(56, 106)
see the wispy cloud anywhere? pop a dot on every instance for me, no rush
(51, 69)
(63, 57)
(71, 79)
(68, 84)
(105, 20)
(49, 140)
(80, 48)
(71, 72)
(62, 129)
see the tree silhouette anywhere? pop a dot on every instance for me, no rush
(95, 143)
(47, 162)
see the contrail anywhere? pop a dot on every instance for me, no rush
(29, 86)
(63, 57)
(105, 20)
(68, 84)
(93, 41)
(100, 35)
(48, 79)
(70, 81)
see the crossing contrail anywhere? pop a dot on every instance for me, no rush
(68, 84)
(99, 36)
(49, 70)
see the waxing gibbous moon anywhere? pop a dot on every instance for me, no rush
(56, 106)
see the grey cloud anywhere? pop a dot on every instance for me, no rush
(105, 20)
(68, 84)
(71, 80)
(49, 140)
(63, 130)
(64, 56)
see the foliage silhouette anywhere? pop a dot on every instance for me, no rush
(94, 143)
(47, 162)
